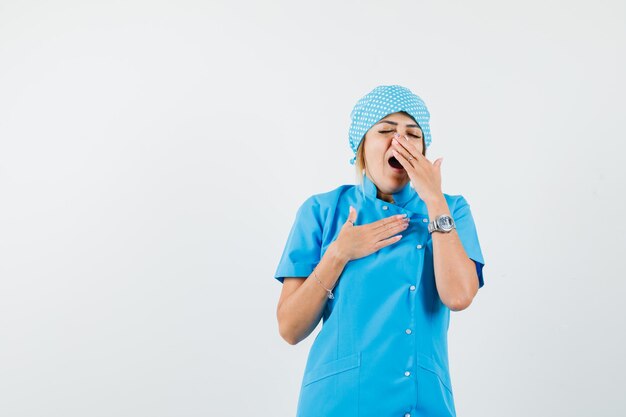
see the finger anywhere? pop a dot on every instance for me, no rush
(412, 148)
(404, 160)
(402, 149)
(386, 242)
(351, 216)
(390, 230)
(388, 221)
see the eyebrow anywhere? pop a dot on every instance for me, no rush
(395, 124)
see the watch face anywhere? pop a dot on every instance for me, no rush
(445, 222)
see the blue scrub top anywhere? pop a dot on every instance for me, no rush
(382, 350)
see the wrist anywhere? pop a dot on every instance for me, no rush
(336, 256)
(433, 198)
(437, 205)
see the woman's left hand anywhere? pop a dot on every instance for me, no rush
(425, 175)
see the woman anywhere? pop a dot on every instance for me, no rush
(366, 260)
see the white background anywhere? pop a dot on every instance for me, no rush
(153, 155)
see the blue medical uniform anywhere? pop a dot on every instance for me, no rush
(382, 350)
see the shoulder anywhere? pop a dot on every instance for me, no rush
(328, 198)
(322, 206)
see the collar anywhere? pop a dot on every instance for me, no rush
(400, 198)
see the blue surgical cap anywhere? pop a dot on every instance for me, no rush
(380, 102)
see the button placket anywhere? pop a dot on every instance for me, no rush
(412, 287)
(412, 300)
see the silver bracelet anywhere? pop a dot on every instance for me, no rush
(330, 293)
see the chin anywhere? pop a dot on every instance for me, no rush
(394, 173)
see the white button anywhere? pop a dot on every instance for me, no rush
(412, 287)
(407, 373)
(407, 415)
(425, 220)
(385, 207)
(419, 246)
(408, 331)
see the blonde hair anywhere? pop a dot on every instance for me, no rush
(359, 163)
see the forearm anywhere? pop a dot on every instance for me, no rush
(455, 273)
(300, 313)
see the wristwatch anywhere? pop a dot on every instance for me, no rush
(442, 223)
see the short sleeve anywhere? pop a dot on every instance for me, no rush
(466, 229)
(303, 248)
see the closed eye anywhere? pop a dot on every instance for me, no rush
(387, 131)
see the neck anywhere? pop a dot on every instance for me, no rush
(385, 197)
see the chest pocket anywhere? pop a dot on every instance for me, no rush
(331, 389)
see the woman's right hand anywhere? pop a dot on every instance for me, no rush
(354, 242)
